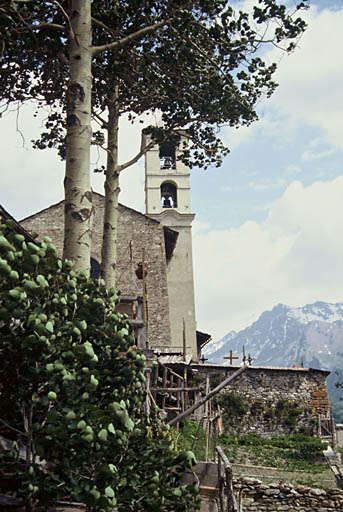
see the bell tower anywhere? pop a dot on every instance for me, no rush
(167, 199)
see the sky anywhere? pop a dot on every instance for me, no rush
(269, 222)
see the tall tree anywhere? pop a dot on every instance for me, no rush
(72, 417)
(198, 66)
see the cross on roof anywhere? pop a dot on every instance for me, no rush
(246, 359)
(231, 357)
(203, 359)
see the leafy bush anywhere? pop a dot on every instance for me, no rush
(285, 412)
(191, 436)
(233, 406)
(72, 392)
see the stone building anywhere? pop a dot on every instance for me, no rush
(164, 234)
(168, 200)
(278, 400)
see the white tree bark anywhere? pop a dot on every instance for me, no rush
(78, 194)
(109, 242)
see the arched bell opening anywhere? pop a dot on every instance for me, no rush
(168, 195)
(168, 156)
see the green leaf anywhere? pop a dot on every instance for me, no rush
(5, 245)
(112, 468)
(111, 428)
(49, 327)
(109, 492)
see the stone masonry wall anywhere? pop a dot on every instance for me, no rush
(135, 231)
(267, 390)
(285, 497)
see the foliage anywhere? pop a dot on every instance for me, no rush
(215, 380)
(195, 66)
(287, 413)
(192, 436)
(199, 64)
(233, 406)
(257, 408)
(151, 472)
(72, 392)
(289, 452)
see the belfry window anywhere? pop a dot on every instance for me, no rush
(167, 156)
(168, 195)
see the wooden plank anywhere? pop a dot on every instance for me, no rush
(170, 370)
(222, 385)
(210, 492)
(228, 485)
(164, 385)
(175, 390)
(223, 456)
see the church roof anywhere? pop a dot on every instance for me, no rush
(4, 215)
(170, 235)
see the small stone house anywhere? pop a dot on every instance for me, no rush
(276, 400)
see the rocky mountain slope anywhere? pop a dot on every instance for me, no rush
(311, 335)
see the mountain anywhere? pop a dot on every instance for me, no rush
(215, 346)
(311, 335)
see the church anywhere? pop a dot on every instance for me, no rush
(154, 265)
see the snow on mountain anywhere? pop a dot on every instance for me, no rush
(216, 345)
(319, 311)
(310, 335)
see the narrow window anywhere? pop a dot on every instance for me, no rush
(95, 269)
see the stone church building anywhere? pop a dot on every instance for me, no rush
(160, 306)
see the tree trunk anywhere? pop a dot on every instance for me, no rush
(109, 242)
(78, 194)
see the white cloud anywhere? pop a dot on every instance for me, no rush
(310, 79)
(32, 179)
(309, 92)
(294, 257)
(293, 169)
(267, 185)
(310, 155)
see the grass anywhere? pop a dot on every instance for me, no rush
(191, 436)
(295, 452)
(291, 453)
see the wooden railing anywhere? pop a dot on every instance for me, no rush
(227, 500)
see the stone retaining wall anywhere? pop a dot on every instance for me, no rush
(274, 394)
(285, 497)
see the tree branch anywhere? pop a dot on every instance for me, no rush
(102, 25)
(41, 26)
(65, 14)
(137, 157)
(100, 120)
(126, 40)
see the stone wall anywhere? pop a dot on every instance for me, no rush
(273, 395)
(285, 497)
(135, 231)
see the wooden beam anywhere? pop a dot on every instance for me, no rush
(198, 404)
(145, 312)
(170, 370)
(174, 390)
